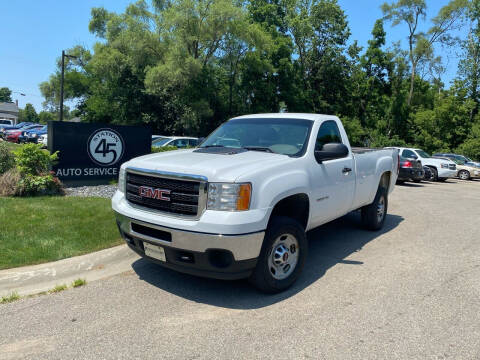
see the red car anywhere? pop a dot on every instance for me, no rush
(13, 135)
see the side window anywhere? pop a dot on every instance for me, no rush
(328, 133)
(408, 154)
(180, 143)
(192, 142)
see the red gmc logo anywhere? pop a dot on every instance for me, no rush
(152, 193)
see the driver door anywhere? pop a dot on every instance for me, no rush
(333, 180)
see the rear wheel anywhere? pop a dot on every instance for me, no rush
(373, 215)
(282, 256)
(464, 175)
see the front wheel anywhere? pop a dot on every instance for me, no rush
(373, 215)
(282, 257)
(464, 175)
(434, 176)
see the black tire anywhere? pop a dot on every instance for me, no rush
(400, 182)
(464, 175)
(370, 213)
(417, 181)
(434, 176)
(262, 277)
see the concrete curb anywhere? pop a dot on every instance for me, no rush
(34, 279)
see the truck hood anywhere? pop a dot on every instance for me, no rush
(216, 167)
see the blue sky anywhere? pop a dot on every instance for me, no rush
(35, 32)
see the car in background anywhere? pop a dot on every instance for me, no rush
(13, 135)
(43, 140)
(32, 135)
(410, 170)
(5, 122)
(454, 157)
(466, 171)
(442, 169)
(180, 142)
(4, 128)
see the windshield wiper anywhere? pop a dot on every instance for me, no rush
(258, 148)
(212, 146)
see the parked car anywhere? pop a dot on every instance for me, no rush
(410, 170)
(454, 157)
(466, 171)
(4, 128)
(177, 141)
(43, 140)
(13, 135)
(242, 211)
(32, 135)
(441, 169)
(6, 122)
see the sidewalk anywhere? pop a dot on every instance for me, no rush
(37, 278)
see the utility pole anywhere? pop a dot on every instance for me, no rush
(61, 81)
(61, 85)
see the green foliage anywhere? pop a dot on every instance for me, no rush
(79, 282)
(32, 160)
(39, 185)
(10, 298)
(7, 160)
(28, 114)
(5, 94)
(184, 67)
(163, 149)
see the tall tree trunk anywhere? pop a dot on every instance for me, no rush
(412, 80)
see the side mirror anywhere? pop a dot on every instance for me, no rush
(414, 157)
(331, 151)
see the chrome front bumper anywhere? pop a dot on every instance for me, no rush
(242, 246)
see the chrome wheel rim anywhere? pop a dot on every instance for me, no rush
(380, 209)
(463, 175)
(283, 257)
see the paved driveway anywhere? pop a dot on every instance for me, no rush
(410, 291)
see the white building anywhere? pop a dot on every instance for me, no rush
(9, 111)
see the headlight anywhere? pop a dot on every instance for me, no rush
(228, 196)
(34, 135)
(444, 166)
(121, 180)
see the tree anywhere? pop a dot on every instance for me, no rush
(469, 65)
(5, 94)
(28, 114)
(420, 45)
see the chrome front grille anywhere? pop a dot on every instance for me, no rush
(186, 193)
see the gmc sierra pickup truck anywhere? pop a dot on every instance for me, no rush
(240, 204)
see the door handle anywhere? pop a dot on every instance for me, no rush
(346, 170)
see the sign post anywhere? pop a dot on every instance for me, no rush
(92, 153)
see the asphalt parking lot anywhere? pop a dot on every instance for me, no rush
(411, 291)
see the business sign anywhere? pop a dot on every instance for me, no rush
(91, 152)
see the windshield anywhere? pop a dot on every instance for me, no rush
(281, 136)
(160, 141)
(422, 153)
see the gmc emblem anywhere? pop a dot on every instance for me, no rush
(149, 192)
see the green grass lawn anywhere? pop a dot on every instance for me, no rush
(42, 229)
(12, 146)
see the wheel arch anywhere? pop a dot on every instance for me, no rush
(296, 206)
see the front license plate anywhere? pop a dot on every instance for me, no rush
(154, 251)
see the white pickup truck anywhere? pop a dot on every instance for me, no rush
(240, 204)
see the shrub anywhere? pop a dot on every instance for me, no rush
(9, 183)
(39, 185)
(7, 160)
(163, 148)
(31, 160)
